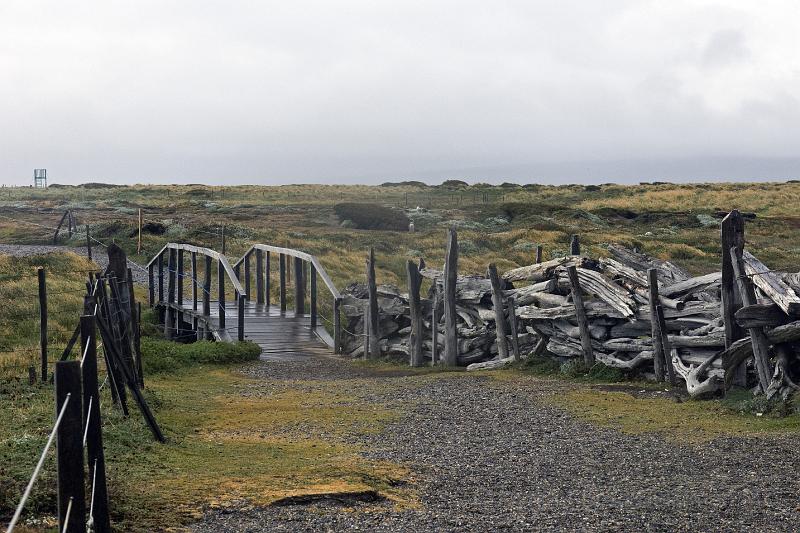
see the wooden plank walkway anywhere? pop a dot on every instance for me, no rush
(282, 336)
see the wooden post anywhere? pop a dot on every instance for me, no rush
(450, 316)
(88, 243)
(282, 274)
(435, 331)
(247, 276)
(580, 314)
(665, 344)
(40, 272)
(574, 246)
(732, 235)
(259, 277)
(194, 281)
(180, 276)
(499, 315)
(313, 296)
(757, 336)
(240, 321)
(299, 294)
(139, 241)
(337, 326)
(69, 448)
(223, 240)
(267, 283)
(207, 287)
(94, 431)
(151, 286)
(415, 339)
(538, 253)
(366, 330)
(161, 277)
(58, 228)
(373, 318)
(659, 357)
(221, 293)
(512, 318)
(169, 323)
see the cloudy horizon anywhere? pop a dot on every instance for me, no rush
(367, 92)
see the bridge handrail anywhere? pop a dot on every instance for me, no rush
(209, 253)
(298, 254)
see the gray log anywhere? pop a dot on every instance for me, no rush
(580, 314)
(450, 276)
(415, 341)
(499, 316)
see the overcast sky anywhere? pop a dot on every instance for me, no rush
(369, 91)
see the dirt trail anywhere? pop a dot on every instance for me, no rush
(492, 455)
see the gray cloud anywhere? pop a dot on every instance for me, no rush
(273, 92)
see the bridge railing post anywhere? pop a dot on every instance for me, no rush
(247, 276)
(240, 322)
(179, 299)
(221, 293)
(337, 326)
(259, 277)
(299, 294)
(169, 323)
(282, 272)
(161, 277)
(267, 276)
(313, 295)
(151, 285)
(207, 290)
(194, 291)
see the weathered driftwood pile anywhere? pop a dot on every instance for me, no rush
(598, 311)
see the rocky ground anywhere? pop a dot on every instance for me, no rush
(98, 256)
(492, 455)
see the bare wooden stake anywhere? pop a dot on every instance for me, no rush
(512, 319)
(580, 315)
(373, 318)
(43, 320)
(450, 316)
(415, 339)
(732, 235)
(659, 353)
(499, 314)
(574, 246)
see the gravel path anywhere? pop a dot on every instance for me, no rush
(490, 455)
(98, 256)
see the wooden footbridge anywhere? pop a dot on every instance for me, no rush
(221, 305)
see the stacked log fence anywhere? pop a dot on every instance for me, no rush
(630, 311)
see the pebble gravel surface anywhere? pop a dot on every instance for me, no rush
(98, 256)
(491, 455)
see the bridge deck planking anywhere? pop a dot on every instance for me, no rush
(281, 336)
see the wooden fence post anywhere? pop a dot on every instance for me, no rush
(732, 235)
(666, 346)
(224, 251)
(94, 431)
(580, 314)
(574, 246)
(757, 336)
(435, 331)
(499, 314)
(69, 452)
(160, 277)
(169, 323)
(512, 318)
(180, 277)
(659, 357)
(372, 316)
(450, 316)
(40, 272)
(538, 253)
(415, 339)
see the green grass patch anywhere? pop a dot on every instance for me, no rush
(159, 355)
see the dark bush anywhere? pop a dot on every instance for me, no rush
(454, 184)
(372, 216)
(95, 185)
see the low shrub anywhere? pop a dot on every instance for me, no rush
(372, 216)
(159, 355)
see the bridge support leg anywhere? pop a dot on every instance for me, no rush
(282, 272)
(259, 277)
(240, 322)
(313, 297)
